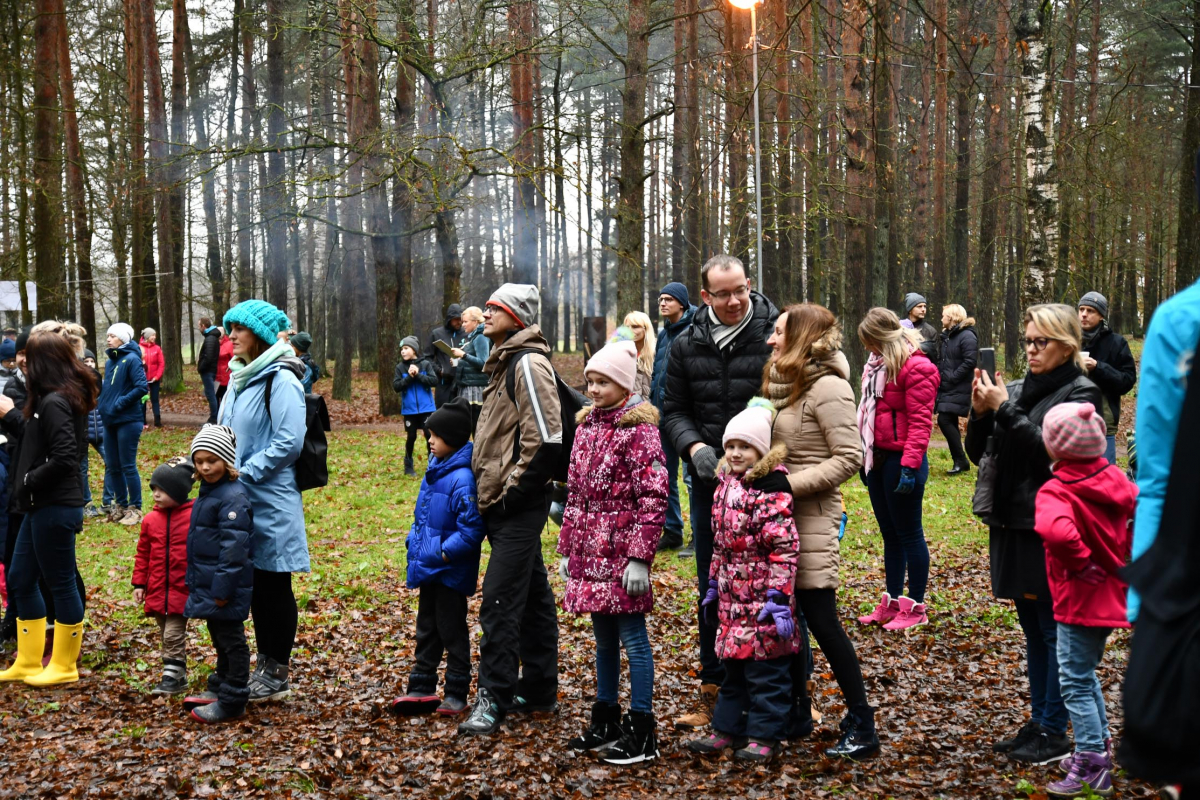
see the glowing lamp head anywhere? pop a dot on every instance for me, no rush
(743, 4)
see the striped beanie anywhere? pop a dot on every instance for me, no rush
(1074, 432)
(218, 440)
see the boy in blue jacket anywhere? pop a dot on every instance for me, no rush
(443, 562)
(220, 573)
(414, 380)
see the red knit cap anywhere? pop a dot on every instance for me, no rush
(1074, 432)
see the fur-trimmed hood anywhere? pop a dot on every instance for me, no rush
(636, 411)
(776, 456)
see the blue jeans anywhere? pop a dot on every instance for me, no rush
(712, 670)
(674, 522)
(1041, 654)
(84, 466)
(209, 379)
(121, 446)
(899, 518)
(611, 632)
(1080, 650)
(1110, 451)
(755, 700)
(46, 548)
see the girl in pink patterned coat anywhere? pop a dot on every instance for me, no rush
(617, 501)
(751, 587)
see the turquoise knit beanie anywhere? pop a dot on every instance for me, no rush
(264, 319)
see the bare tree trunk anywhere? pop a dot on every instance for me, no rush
(1041, 176)
(143, 300)
(940, 290)
(48, 265)
(1066, 131)
(991, 198)
(245, 276)
(275, 193)
(679, 126)
(631, 183)
(963, 98)
(525, 231)
(921, 207)
(859, 171)
(216, 274)
(405, 120)
(171, 338)
(883, 261)
(694, 211)
(785, 213)
(352, 264)
(1187, 265)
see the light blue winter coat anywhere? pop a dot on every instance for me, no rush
(266, 452)
(1167, 361)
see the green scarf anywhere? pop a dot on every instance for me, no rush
(240, 372)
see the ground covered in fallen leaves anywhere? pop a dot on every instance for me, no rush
(944, 692)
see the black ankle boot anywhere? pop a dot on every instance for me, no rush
(637, 743)
(604, 730)
(859, 739)
(408, 467)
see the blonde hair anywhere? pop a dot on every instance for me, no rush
(1060, 323)
(473, 313)
(881, 330)
(958, 316)
(73, 332)
(646, 356)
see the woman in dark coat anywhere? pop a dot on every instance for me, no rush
(959, 348)
(1007, 422)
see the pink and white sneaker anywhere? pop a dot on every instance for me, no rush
(911, 615)
(885, 612)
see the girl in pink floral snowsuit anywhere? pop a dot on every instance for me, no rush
(751, 585)
(617, 502)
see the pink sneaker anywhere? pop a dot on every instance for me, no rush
(886, 611)
(911, 615)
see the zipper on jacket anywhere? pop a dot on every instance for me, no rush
(895, 433)
(167, 563)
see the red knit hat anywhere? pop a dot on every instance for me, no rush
(1074, 432)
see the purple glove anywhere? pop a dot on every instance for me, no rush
(777, 607)
(708, 605)
(1092, 574)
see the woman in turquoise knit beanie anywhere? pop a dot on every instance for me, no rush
(267, 448)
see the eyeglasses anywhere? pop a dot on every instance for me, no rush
(1039, 344)
(741, 293)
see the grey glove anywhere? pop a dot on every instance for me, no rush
(562, 569)
(705, 461)
(636, 580)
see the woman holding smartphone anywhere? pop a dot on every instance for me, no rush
(1007, 421)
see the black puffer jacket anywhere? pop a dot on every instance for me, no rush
(959, 351)
(448, 334)
(706, 386)
(1115, 372)
(220, 553)
(1018, 559)
(210, 352)
(48, 455)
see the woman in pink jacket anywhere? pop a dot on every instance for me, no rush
(895, 418)
(152, 356)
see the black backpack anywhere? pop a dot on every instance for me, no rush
(569, 402)
(312, 468)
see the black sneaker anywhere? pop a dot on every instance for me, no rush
(1027, 731)
(174, 679)
(485, 716)
(523, 705)
(637, 743)
(604, 730)
(688, 550)
(269, 682)
(1043, 748)
(670, 540)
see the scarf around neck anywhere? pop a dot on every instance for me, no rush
(1090, 336)
(1038, 387)
(724, 334)
(873, 381)
(240, 372)
(779, 388)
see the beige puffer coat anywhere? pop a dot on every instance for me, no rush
(820, 432)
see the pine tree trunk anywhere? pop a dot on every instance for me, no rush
(859, 171)
(1187, 263)
(921, 205)
(694, 191)
(960, 289)
(245, 235)
(401, 190)
(883, 264)
(212, 260)
(275, 193)
(525, 229)
(631, 182)
(142, 300)
(170, 338)
(991, 199)
(938, 293)
(48, 265)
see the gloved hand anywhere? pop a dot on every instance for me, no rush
(908, 481)
(636, 580)
(777, 607)
(708, 605)
(562, 569)
(705, 462)
(1092, 574)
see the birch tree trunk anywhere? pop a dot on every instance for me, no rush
(1041, 175)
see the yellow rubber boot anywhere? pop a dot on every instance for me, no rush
(67, 641)
(31, 643)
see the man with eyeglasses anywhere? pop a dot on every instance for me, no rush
(715, 367)
(677, 312)
(1109, 362)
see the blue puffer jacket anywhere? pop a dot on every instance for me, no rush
(662, 352)
(220, 562)
(267, 449)
(124, 386)
(476, 350)
(447, 521)
(416, 392)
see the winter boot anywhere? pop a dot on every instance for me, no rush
(174, 679)
(859, 739)
(523, 705)
(1091, 774)
(231, 704)
(485, 718)
(757, 751)
(31, 640)
(196, 700)
(911, 615)
(408, 467)
(1067, 763)
(716, 743)
(670, 540)
(420, 699)
(67, 641)
(689, 549)
(269, 681)
(885, 612)
(1027, 731)
(637, 743)
(452, 706)
(702, 716)
(133, 516)
(1043, 748)
(604, 730)
(115, 512)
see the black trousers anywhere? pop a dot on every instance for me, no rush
(441, 628)
(819, 607)
(712, 669)
(10, 545)
(948, 424)
(273, 612)
(153, 404)
(519, 651)
(415, 424)
(754, 699)
(229, 681)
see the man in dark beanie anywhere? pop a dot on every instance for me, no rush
(677, 312)
(915, 311)
(1108, 361)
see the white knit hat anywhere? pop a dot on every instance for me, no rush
(617, 361)
(122, 331)
(218, 440)
(752, 426)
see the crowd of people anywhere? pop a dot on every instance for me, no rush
(755, 401)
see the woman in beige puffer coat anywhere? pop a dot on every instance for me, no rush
(807, 380)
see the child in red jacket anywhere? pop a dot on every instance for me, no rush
(1083, 515)
(161, 565)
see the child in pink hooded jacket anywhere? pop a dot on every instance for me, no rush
(617, 502)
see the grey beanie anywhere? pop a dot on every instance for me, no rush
(1095, 300)
(520, 300)
(911, 301)
(413, 342)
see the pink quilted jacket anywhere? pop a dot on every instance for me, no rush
(904, 415)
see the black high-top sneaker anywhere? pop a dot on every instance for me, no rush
(269, 681)
(859, 739)
(604, 730)
(637, 744)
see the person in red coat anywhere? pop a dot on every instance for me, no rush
(1082, 514)
(895, 419)
(224, 354)
(160, 567)
(152, 357)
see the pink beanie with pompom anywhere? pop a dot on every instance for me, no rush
(752, 426)
(616, 361)
(1074, 432)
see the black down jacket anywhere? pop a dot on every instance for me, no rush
(706, 386)
(210, 352)
(1018, 559)
(1115, 372)
(48, 452)
(220, 553)
(960, 351)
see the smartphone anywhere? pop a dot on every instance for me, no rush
(987, 362)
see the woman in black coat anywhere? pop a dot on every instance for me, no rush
(959, 348)
(48, 489)
(1007, 421)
